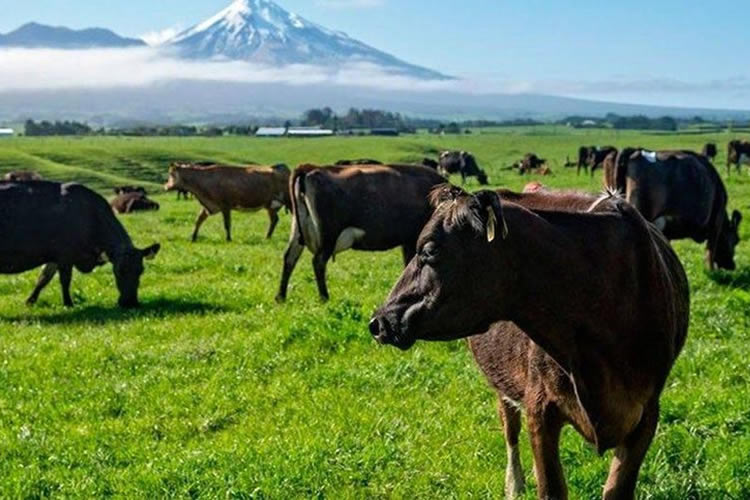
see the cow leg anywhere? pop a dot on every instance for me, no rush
(291, 257)
(510, 416)
(274, 215)
(626, 464)
(202, 216)
(227, 214)
(545, 426)
(48, 272)
(66, 273)
(320, 261)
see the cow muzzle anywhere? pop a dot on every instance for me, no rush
(386, 333)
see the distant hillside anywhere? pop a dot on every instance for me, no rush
(34, 35)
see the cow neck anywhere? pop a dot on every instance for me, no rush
(546, 272)
(116, 239)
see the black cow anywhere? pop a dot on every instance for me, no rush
(62, 226)
(710, 151)
(461, 162)
(129, 189)
(738, 152)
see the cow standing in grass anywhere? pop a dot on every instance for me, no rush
(461, 162)
(363, 207)
(576, 310)
(66, 226)
(224, 188)
(738, 153)
(683, 195)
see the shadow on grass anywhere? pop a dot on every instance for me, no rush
(733, 279)
(96, 314)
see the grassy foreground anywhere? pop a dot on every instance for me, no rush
(211, 390)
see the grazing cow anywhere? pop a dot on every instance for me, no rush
(485, 264)
(363, 207)
(129, 189)
(597, 156)
(710, 151)
(738, 152)
(430, 163)
(72, 227)
(223, 189)
(22, 176)
(361, 161)
(683, 195)
(531, 163)
(583, 158)
(127, 203)
(461, 162)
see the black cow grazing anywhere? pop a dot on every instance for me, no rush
(461, 162)
(129, 189)
(62, 226)
(22, 176)
(583, 158)
(361, 161)
(430, 163)
(738, 152)
(127, 203)
(710, 151)
(363, 207)
(597, 156)
(683, 195)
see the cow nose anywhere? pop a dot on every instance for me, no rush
(375, 327)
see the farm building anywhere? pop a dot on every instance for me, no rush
(390, 132)
(6, 132)
(309, 132)
(271, 132)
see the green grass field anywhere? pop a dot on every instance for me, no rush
(212, 390)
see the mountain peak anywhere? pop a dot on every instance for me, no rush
(262, 31)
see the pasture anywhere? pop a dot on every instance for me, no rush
(212, 390)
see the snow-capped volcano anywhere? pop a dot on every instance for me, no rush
(261, 31)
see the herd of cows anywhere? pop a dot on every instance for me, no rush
(496, 267)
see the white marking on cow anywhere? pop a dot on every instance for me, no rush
(308, 220)
(276, 204)
(348, 238)
(744, 159)
(514, 480)
(649, 155)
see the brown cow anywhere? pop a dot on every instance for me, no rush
(738, 152)
(224, 188)
(683, 195)
(523, 273)
(22, 176)
(364, 207)
(135, 201)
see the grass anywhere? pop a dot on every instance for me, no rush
(213, 390)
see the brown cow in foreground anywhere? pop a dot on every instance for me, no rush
(521, 271)
(134, 201)
(223, 189)
(363, 207)
(683, 195)
(22, 176)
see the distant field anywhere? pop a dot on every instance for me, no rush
(212, 390)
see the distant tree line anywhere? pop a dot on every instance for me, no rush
(356, 119)
(619, 122)
(45, 128)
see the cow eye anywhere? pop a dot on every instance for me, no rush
(429, 252)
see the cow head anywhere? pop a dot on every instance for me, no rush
(722, 255)
(482, 177)
(173, 181)
(128, 267)
(442, 293)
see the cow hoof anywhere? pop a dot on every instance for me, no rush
(324, 298)
(30, 302)
(280, 299)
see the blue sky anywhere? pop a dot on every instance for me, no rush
(682, 52)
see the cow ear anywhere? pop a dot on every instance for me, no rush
(736, 218)
(493, 214)
(150, 252)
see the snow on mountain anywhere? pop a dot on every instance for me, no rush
(262, 31)
(34, 35)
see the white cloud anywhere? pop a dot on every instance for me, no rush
(350, 4)
(155, 38)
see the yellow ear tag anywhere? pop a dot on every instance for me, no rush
(491, 223)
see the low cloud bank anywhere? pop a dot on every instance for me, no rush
(46, 69)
